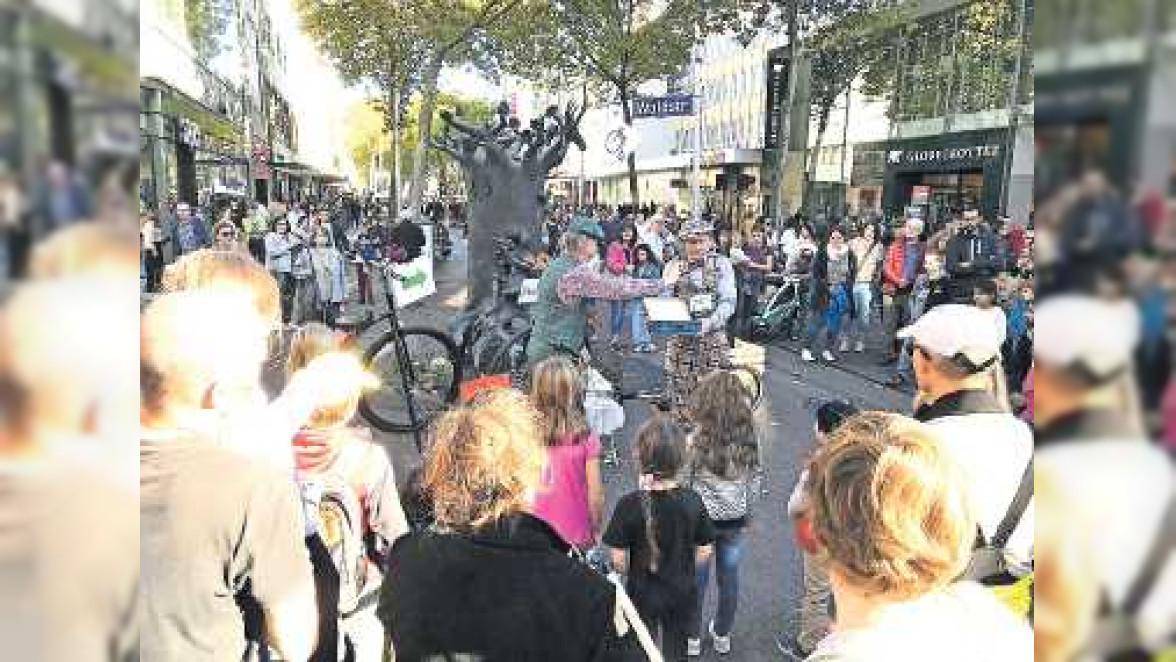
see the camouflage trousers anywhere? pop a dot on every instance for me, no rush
(688, 360)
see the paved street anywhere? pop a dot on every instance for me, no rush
(771, 565)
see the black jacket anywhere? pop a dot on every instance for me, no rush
(508, 593)
(976, 247)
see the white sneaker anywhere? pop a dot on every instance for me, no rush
(693, 647)
(860, 346)
(807, 356)
(722, 644)
(844, 345)
(828, 356)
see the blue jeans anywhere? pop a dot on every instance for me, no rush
(863, 303)
(831, 318)
(641, 334)
(728, 549)
(618, 317)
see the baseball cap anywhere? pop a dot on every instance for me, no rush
(1085, 333)
(959, 332)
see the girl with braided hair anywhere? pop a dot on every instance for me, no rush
(657, 534)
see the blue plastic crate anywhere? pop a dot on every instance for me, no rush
(688, 328)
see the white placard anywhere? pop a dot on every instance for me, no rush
(666, 309)
(529, 291)
(414, 279)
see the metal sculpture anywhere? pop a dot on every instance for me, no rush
(505, 166)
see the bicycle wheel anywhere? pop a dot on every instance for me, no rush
(433, 375)
(752, 382)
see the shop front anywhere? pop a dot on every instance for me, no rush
(1086, 120)
(187, 151)
(945, 173)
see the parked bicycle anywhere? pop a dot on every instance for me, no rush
(418, 367)
(495, 342)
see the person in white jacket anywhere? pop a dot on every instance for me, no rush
(956, 362)
(1116, 489)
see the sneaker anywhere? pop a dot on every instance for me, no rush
(722, 644)
(828, 356)
(791, 649)
(843, 347)
(693, 647)
(807, 356)
(860, 346)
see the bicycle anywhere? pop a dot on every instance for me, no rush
(496, 341)
(417, 367)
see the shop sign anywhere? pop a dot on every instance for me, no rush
(942, 155)
(920, 195)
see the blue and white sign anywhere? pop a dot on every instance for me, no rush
(678, 105)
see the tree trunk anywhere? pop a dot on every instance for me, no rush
(416, 187)
(631, 159)
(814, 155)
(394, 169)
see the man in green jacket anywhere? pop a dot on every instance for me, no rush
(559, 316)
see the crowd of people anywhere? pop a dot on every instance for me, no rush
(272, 526)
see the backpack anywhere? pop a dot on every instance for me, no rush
(989, 562)
(339, 519)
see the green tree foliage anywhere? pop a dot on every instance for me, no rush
(401, 46)
(617, 44)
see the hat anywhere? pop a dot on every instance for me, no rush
(1086, 333)
(697, 225)
(957, 331)
(587, 227)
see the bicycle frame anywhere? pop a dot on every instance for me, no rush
(407, 370)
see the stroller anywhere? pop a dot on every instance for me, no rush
(783, 313)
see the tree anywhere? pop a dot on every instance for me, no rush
(848, 38)
(618, 44)
(368, 136)
(400, 47)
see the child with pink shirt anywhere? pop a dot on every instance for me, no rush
(572, 497)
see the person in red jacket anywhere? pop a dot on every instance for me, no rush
(903, 262)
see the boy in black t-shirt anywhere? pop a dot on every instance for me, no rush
(657, 534)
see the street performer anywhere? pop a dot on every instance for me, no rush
(560, 314)
(705, 280)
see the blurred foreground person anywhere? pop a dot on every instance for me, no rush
(252, 425)
(206, 547)
(889, 512)
(90, 250)
(69, 563)
(1118, 489)
(349, 489)
(489, 581)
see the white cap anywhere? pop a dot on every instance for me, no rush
(951, 330)
(1087, 332)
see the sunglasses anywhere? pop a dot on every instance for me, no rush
(227, 233)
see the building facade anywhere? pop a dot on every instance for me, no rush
(1104, 93)
(961, 129)
(67, 80)
(214, 119)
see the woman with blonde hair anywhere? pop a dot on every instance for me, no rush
(489, 581)
(890, 510)
(572, 496)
